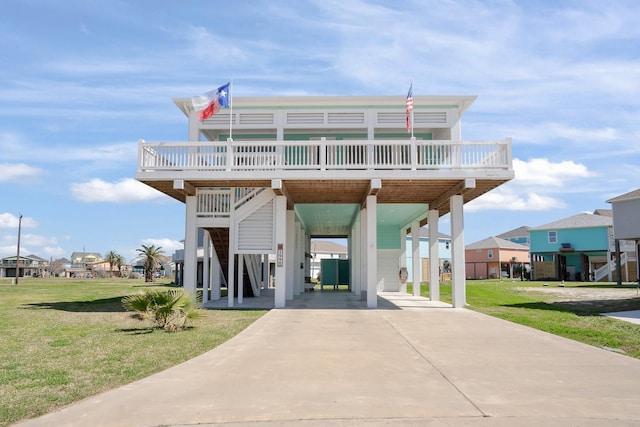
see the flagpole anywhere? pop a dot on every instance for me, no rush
(230, 111)
(412, 137)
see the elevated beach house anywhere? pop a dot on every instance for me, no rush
(267, 175)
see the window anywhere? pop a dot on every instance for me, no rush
(490, 253)
(552, 236)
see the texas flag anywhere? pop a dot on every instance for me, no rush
(210, 103)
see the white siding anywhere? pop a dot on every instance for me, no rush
(388, 270)
(625, 219)
(255, 233)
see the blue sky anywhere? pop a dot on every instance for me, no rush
(82, 81)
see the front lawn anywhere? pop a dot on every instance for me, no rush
(66, 339)
(572, 311)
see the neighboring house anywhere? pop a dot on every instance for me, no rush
(164, 269)
(324, 249)
(101, 269)
(29, 266)
(275, 172)
(81, 264)
(572, 248)
(494, 257)
(518, 235)
(444, 256)
(626, 232)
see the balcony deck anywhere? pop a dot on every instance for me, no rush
(410, 171)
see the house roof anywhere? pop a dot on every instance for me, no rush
(603, 212)
(31, 257)
(326, 246)
(631, 195)
(516, 232)
(462, 103)
(424, 232)
(496, 242)
(582, 220)
(96, 255)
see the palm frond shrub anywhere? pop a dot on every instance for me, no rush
(171, 310)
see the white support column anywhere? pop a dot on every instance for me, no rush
(457, 253)
(206, 259)
(215, 276)
(281, 236)
(194, 126)
(416, 262)
(240, 278)
(372, 252)
(363, 252)
(265, 271)
(355, 248)
(190, 273)
(290, 253)
(434, 256)
(403, 257)
(232, 251)
(298, 279)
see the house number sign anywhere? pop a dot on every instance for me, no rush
(279, 255)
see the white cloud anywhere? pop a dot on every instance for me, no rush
(538, 186)
(507, 199)
(41, 246)
(543, 173)
(169, 246)
(105, 153)
(20, 147)
(36, 244)
(8, 220)
(125, 190)
(549, 133)
(18, 172)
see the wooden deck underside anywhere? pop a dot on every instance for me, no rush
(347, 191)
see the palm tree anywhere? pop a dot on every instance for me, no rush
(111, 258)
(120, 261)
(171, 310)
(151, 256)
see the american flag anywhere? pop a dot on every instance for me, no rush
(409, 105)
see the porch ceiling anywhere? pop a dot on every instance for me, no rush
(335, 219)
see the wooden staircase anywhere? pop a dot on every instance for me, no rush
(220, 240)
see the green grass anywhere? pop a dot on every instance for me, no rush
(63, 340)
(526, 304)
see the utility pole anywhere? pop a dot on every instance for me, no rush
(18, 256)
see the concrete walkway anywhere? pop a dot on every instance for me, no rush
(410, 363)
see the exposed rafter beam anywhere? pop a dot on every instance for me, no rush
(278, 187)
(457, 190)
(184, 187)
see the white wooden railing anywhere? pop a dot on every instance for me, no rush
(323, 155)
(602, 272)
(216, 203)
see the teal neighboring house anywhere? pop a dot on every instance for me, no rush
(572, 248)
(518, 235)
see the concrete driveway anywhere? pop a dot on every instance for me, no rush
(410, 363)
